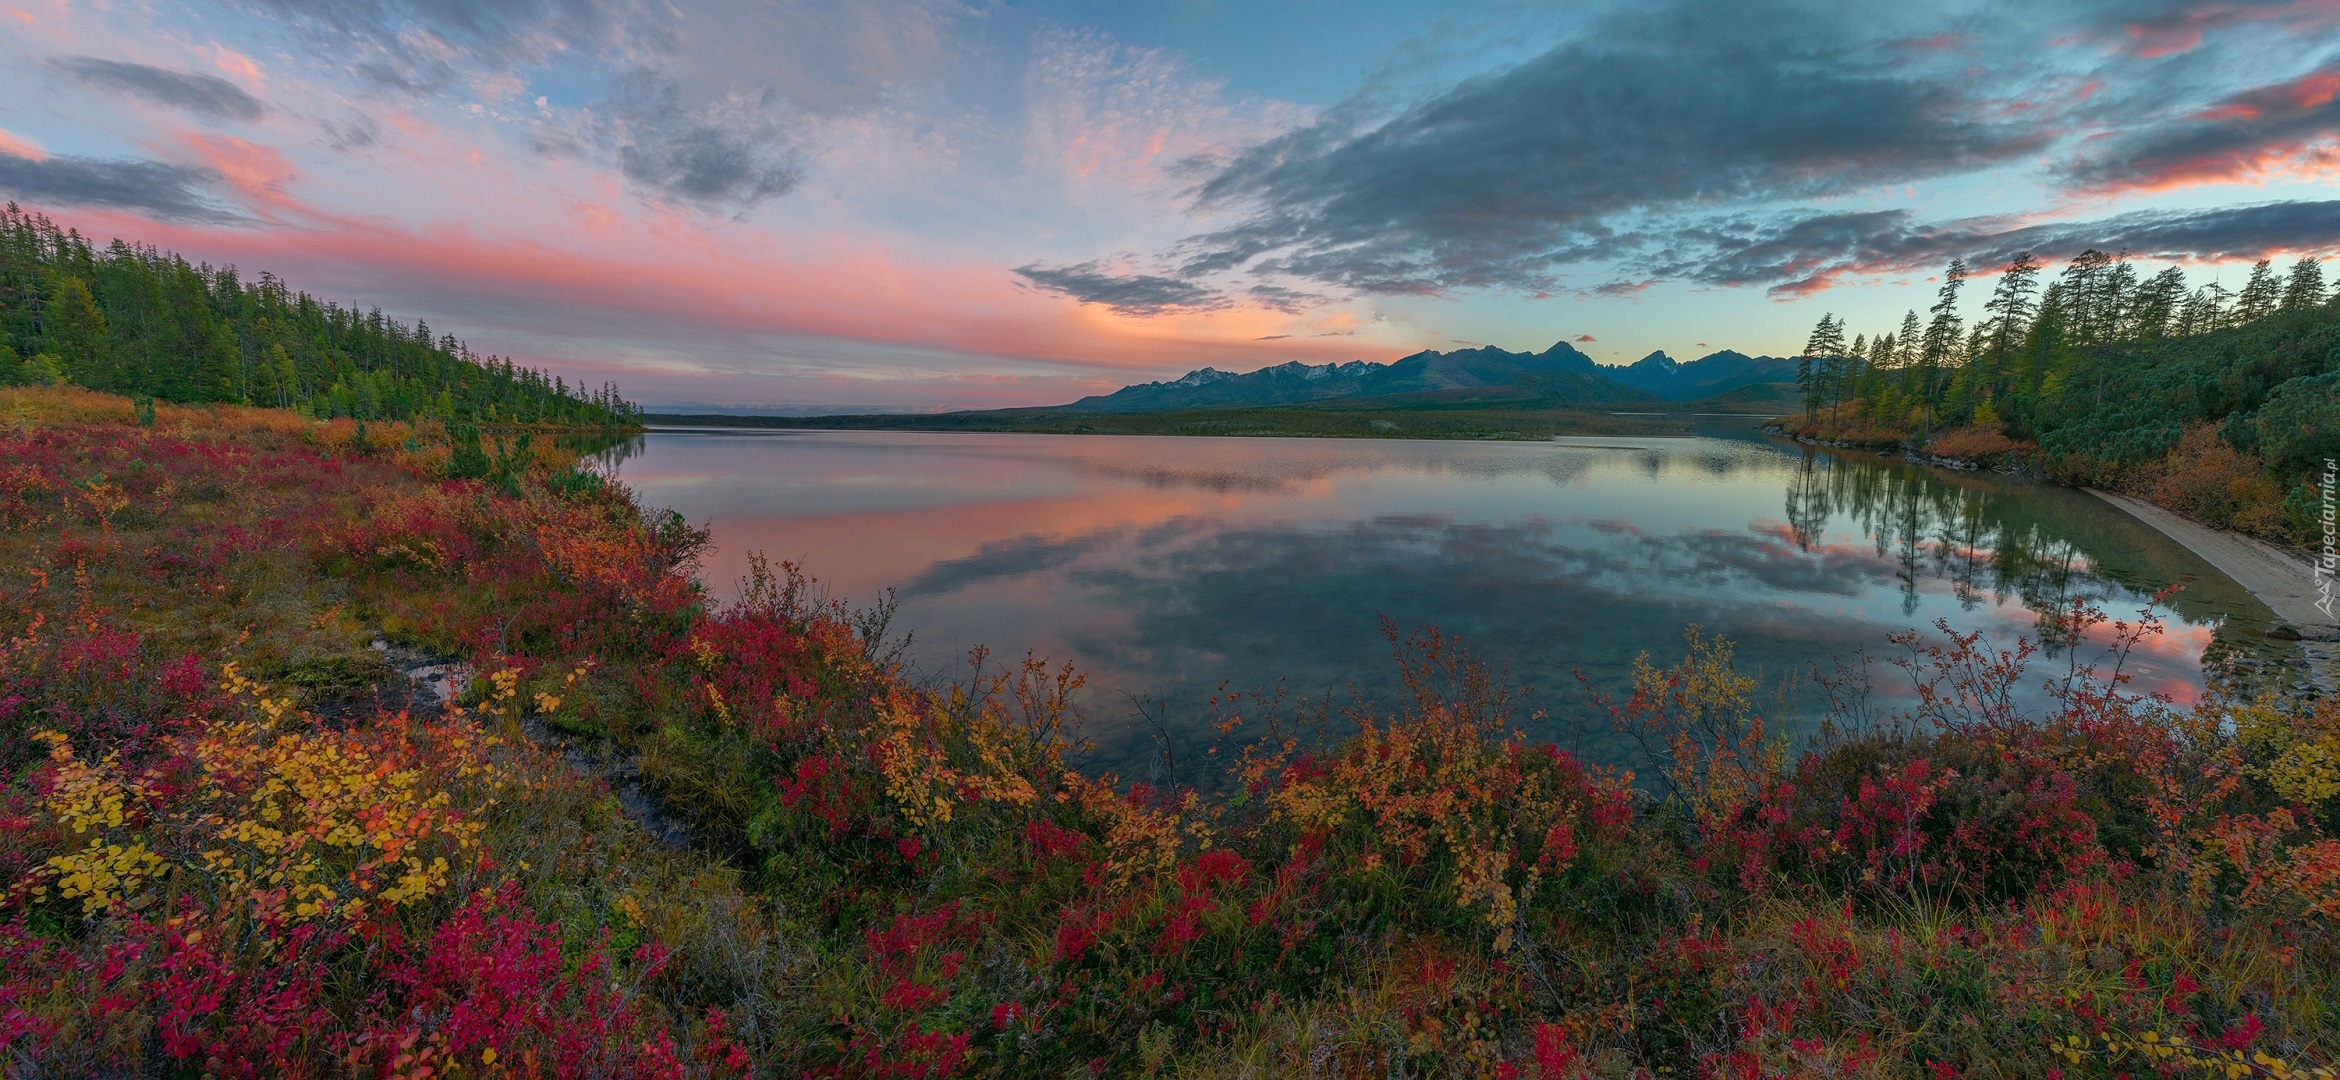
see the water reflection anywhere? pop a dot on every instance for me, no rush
(1173, 569)
(1993, 541)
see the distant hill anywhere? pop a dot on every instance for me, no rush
(1558, 376)
(1714, 373)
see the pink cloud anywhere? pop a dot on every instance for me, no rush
(19, 146)
(572, 268)
(2182, 31)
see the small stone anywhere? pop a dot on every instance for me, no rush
(2283, 632)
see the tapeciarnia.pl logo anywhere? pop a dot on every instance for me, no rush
(2328, 564)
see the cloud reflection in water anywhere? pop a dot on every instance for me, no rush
(1173, 569)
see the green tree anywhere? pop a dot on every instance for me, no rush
(1905, 349)
(2259, 295)
(77, 332)
(2204, 311)
(2091, 298)
(137, 320)
(2305, 287)
(2299, 426)
(2007, 314)
(1945, 332)
(2154, 311)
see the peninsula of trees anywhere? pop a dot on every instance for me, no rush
(145, 323)
(2225, 404)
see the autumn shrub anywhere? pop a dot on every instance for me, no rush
(1987, 443)
(2205, 478)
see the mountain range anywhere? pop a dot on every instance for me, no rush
(1560, 375)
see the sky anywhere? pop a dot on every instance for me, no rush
(909, 205)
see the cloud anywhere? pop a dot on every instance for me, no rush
(204, 95)
(14, 145)
(2291, 126)
(358, 132)
(1142, 295)
(2168, 28)
(1797, 258)
(1499, 180)
(1288, 301)
(421, 46)
(156, 188)
(1586, 338)
(729, 154)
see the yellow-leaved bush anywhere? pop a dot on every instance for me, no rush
(292, 820)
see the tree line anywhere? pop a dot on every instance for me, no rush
(2100, 363)
(136, 320)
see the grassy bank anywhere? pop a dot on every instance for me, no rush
(220, 858)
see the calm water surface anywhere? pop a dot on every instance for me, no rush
(1168, 568)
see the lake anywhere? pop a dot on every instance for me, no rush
(1172, 569)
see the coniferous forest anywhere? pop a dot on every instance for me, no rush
(2218, 403)
(139, 321)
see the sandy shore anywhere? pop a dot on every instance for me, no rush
(2282, 581)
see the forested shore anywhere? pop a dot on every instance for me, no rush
(138, 321)
(2220, 404)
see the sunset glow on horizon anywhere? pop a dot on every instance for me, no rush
(908, 206)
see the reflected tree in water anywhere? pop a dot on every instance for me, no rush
(1982, 542)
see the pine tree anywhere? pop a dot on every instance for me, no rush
(2008, 312)
(76, 331)
(2305, 288)
(1827, 338)
(2154, 311)
(2090, 301)
(1848, 371)
(2117, 301)
(2046, 346)
(2259, 295)
(1944, 333)
(2204, 311)
(134, 319)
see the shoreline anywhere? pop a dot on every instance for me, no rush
(2281, 581)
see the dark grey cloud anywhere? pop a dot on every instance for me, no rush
(357, 132)
(204, 95)
(729, 154)
(155, 188)
(1288, 301)
(1805, 255)
(1500, 179)
(1128, 294)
